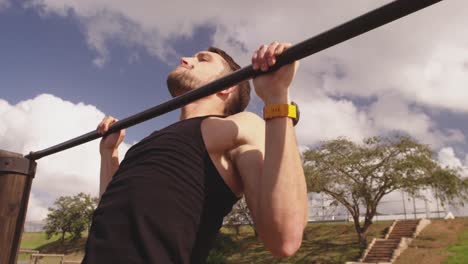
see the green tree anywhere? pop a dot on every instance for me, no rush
(359, 175)
(70, 214)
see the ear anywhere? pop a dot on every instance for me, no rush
(228, 90)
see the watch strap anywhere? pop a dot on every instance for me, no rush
(281, 110)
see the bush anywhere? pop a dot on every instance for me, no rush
(216, 257)
(223, 245)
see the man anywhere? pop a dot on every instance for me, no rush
(165, 202)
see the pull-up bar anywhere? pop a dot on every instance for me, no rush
(341, 33)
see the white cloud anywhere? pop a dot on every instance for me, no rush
(326, 119)
(4, 4)
(405, 57)
(417, 64)
(153, 24)
(447, 157)
(37, 210)
(420, 63)
(390, 113)
(45, 121)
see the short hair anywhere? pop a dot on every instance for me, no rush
(241, 97)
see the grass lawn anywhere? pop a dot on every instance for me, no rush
(35, 239)
(38, 241)
(322, 243)
(459, 250)
(444, 241)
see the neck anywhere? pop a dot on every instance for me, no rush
(197, 109)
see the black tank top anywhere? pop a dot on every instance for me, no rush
(165, 203)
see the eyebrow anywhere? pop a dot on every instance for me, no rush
(204, 53)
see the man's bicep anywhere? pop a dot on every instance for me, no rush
(249, 163)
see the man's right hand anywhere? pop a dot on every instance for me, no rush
(110, 143)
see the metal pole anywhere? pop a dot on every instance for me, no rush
(16, 174)
(362, 24)
(426, 207)
(437, 203)
(404, 206)
(323, 208)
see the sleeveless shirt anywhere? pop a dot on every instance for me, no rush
(165, 203)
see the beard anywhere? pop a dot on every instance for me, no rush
(181, 81)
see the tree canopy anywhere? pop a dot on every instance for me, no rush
(359, 175)
(70, 214)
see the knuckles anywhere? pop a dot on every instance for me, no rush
(265, 51)
(265, 56)
(105, 124)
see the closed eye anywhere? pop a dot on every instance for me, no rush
(203, 57)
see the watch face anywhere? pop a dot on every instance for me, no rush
(298, 114)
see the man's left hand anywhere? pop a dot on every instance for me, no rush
(273, 88)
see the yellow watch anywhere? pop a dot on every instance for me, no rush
(282, 110)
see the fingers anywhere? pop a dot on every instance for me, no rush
(265, 56)
(105, 124)
(270, 54)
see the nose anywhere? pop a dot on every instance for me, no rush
(186, 62)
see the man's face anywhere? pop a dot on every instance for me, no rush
(193, 72)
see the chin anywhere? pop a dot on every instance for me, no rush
(179, 82)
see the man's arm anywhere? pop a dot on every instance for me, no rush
(268, 161)
(108, 149)
(109, 165)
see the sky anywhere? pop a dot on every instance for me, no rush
(65, 64)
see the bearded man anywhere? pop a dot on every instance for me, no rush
(165, 202)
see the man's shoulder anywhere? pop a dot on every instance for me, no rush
(239, 120)
(246, 118)
(250, 127)
(235, 130)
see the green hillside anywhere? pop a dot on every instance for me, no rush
(323, 243)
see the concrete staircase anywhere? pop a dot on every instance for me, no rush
(382, 251)
(395, 242)
(405, 228)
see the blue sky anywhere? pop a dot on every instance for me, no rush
(66, 64)
(50, 55)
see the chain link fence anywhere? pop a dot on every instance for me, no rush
(394, 206)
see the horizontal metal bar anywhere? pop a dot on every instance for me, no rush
(362, 24)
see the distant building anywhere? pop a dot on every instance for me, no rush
(34, 226)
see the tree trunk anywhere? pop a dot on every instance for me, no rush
(361, 232)
(365, 227)
(362, 237)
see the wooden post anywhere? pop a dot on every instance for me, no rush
(16, 174)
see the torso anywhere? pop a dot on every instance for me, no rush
(154, 209)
